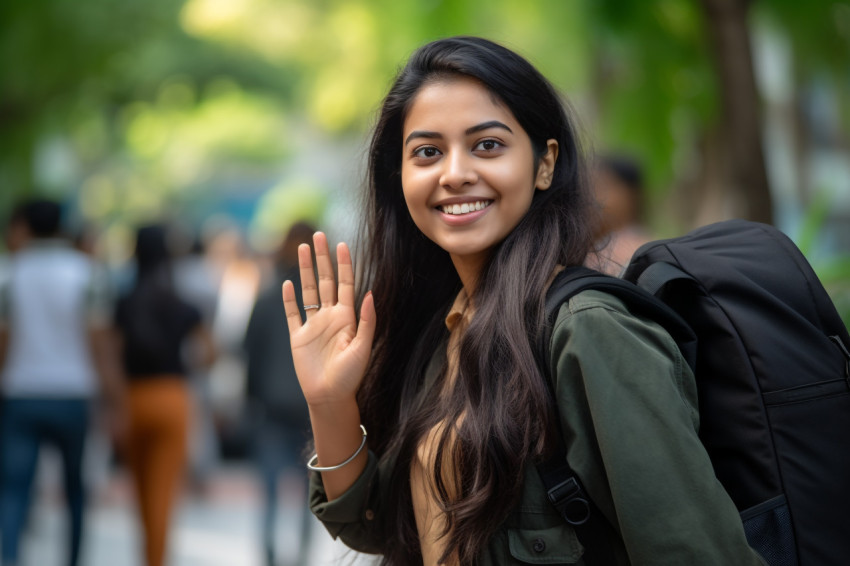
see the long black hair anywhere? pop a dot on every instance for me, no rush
(498, 409)
(152, 303)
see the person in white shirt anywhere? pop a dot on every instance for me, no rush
(55, 358)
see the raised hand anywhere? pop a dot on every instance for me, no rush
(330, 349)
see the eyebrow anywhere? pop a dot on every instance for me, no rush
(477, 128)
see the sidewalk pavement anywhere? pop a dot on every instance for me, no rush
(219, 529)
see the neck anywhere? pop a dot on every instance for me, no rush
(469, 269)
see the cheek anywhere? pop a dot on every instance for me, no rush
(415, 186)
(513, 175)
(417, 211)
(414, 201)
(411, 208)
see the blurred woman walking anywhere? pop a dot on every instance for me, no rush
(154, 325)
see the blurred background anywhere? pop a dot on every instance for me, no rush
(230, 120)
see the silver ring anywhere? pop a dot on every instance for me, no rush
(308, 307)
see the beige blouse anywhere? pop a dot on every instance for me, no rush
(430, 519)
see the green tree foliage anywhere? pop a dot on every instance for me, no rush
(654, 84)
(344, 53)
(118, 86)
(138, 105)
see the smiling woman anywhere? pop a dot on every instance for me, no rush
(477, 197)
(469, 171)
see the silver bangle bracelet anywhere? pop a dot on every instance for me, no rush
(311, 465)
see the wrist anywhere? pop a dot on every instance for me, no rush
(312, 464)
(334, 423)
(340, 410)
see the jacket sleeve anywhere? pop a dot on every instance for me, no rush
(352, 517)
(628, 409)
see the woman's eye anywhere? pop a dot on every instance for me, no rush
(426, 152)
(488, 145)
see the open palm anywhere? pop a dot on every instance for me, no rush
(330, 349)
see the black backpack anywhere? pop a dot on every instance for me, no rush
(770, 356)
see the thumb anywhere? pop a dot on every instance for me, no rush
(366, 328)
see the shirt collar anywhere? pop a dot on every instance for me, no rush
(459, 311)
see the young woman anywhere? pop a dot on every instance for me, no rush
(476, 197)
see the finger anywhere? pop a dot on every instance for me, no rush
(366, 328)
(327, 281)
(309, 290)
(346, 275)
(290, 305)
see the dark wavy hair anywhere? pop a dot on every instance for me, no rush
(499, 389)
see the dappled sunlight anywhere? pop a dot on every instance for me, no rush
(276, 30)
(282, 206)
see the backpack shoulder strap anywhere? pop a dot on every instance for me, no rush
(639, 298)
(563, 487)
(657, 275)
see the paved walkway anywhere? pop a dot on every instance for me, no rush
(219, 529)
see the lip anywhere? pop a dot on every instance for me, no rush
(461, 200)
(462, 219)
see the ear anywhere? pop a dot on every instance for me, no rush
(546, 167)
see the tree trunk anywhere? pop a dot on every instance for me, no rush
(744, 174)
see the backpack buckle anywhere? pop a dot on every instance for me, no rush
(569, 499)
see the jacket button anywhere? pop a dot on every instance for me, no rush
(369, 514)
(539, 545)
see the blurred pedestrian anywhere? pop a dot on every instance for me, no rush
(239, 278)
(16, 233)
(619, 190)
(154, 325)
(276, 406)
(55, 356)
(196, 282)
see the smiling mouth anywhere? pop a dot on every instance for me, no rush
(465, 208)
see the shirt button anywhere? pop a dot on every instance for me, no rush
(539, 545)
(370, 514)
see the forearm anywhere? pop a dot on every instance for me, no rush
(355, 517)
(337, 435)
(104, 349)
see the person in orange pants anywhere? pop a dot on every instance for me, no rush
(154, 325)
(156, 449)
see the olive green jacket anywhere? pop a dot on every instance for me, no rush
(628, 409)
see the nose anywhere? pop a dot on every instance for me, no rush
(458, 170)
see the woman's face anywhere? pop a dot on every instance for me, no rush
(468, 170)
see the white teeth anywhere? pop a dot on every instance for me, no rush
(464, 208)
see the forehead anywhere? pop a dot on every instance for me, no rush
(455, 100)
